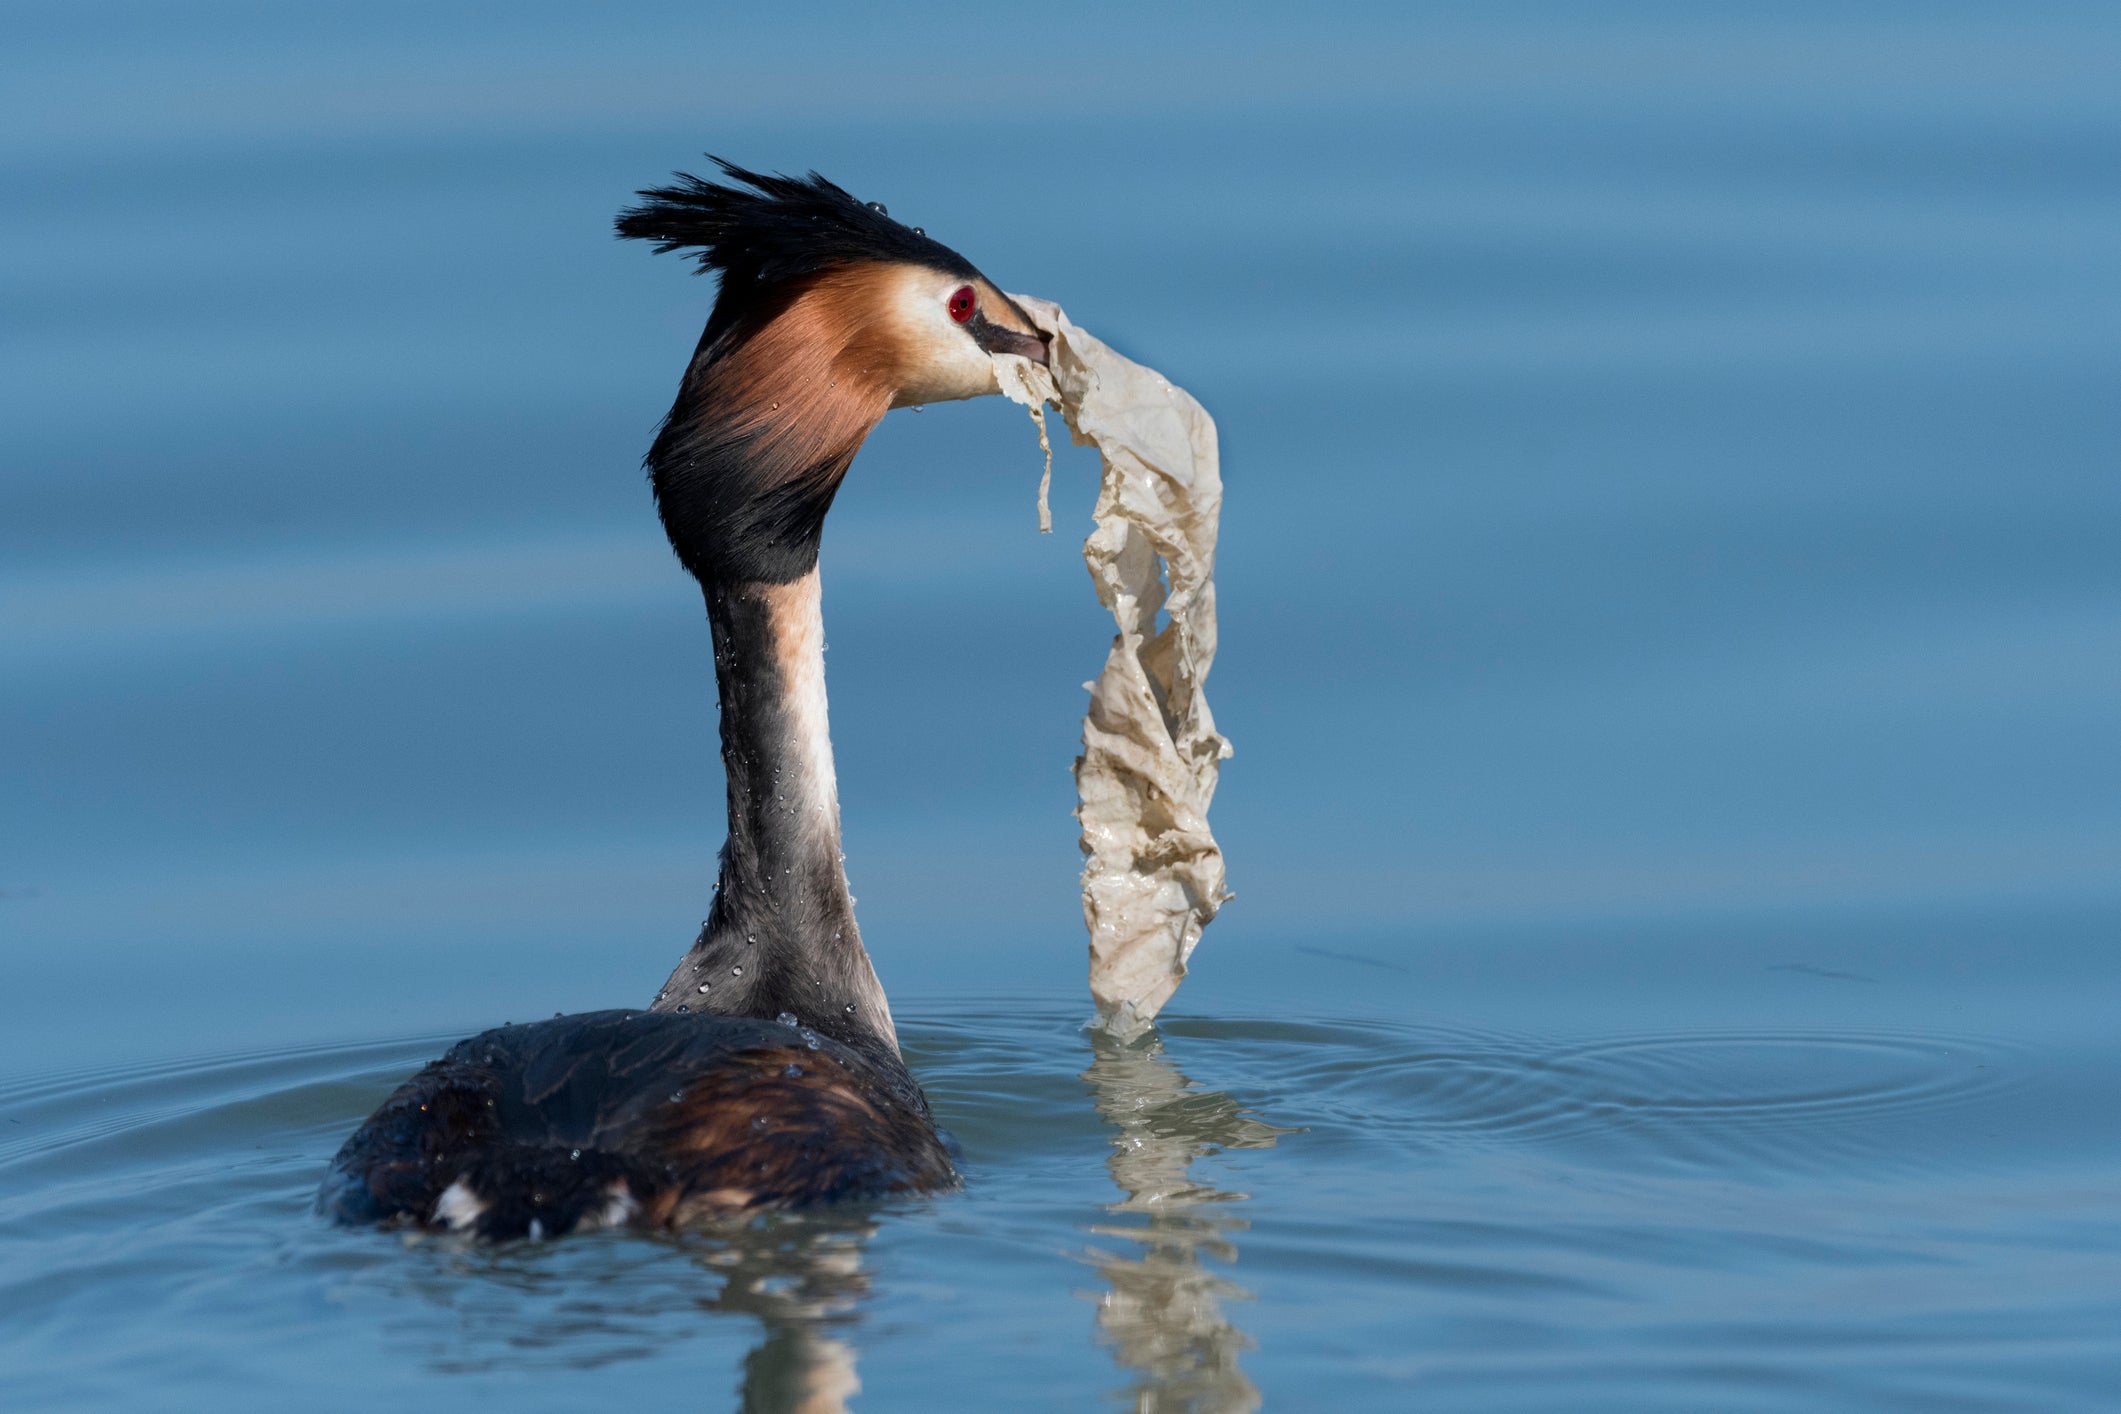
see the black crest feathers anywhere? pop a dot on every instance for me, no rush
(782, 229)
(734, 509)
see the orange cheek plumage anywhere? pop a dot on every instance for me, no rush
(812, 383)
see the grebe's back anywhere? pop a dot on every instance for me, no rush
(636, 1118)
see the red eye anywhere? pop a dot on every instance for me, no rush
(963, 303)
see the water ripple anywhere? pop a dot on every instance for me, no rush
(1751, 1102)
(1191, 1175)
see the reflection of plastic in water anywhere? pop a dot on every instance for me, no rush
(1153, 875)
(1164, 1313)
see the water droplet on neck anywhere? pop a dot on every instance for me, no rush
(786, 1018)
(736, 972)
(705, 986)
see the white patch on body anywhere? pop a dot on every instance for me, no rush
(620, 1208)
(458, 1207)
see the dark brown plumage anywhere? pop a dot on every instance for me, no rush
(633, 1118)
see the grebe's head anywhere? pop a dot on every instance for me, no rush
(924, 320)
(829, 314)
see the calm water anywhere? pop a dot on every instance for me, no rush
(1671, 596)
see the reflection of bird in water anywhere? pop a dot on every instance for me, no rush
(1163, 1315)
(799, 1274)
(802, 1277)
(767, 1073)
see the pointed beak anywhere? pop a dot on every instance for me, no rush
(997, 340)
(1013, 334)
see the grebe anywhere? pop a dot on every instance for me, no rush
(766, 1073)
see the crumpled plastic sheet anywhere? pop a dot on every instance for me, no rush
(1153, 875)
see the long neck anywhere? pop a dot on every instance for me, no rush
(781, 936)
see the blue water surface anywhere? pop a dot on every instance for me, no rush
(1671, 630)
